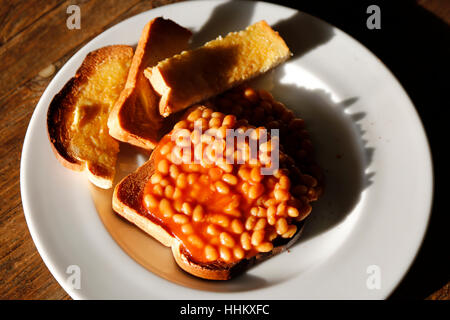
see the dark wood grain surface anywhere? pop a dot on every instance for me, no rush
(34, 44)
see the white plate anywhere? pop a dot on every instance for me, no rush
(368, 138)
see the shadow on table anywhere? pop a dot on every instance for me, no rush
(414, 45)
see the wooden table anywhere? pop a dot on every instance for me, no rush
(34, 44)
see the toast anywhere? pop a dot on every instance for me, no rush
(77, 116)
(156, 201)
(220, 64)
(135, 118)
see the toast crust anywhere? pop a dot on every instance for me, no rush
(218, 65)
(79, 106)
(135, 118)
(127, 202)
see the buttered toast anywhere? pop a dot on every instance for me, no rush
(220, 64)
(135, 118)
(77, 116)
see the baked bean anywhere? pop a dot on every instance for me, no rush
(265, 247)
(181, 181)
(194, 115)
(250, 223)
(271, 211)
(168, 191)
(177, 194)
(177, 204)
(284, 183)
(305, 211)
(287, 115)
(237, 226)
(260, 224)
(222, 187)
(230, 179)
(246, 241)
(158, 190)
(270, 202)
(290, 232)
(226, 240)
(221, 132)
(215, 122)
(196, 241)
(278, 107)
(164, 182)
(293, 212)
(225, 253)
(229, 121)
(180, 219)
(197, 214)
(245, 187)
(265, 95)
(299, 190)
(207, 113)
(233, 212)
(218, 115)
(165, 149)
(282, 209)
(244, 173)
(296, 124)
(254, 211)
(196, 137)
(215, 173)
(265, 146)
(310, 181)
(166, 208)
(187, 228)
(272, 235)
(257, 237)
(238, 253)
(267, 106)
(251, 95)
(255, 174)
(255, 191)
(211, 253)
(174, 171)
(212, 230)
(262, 212)
(150, 201)
(281, 195)
(192, 178)
(156, 178)
(227, 167)
(183, 124)
(186, 208)
(220, 219)
(163, 166)
(282, 226)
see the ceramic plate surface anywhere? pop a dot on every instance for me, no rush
(363, 234)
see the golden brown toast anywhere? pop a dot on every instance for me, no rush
(135, 118)
(131, 200)
(77, 116)
(220, 64)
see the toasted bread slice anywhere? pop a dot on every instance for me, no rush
(77, 116)
(128, 202)
(135, 118)
(220, 64)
